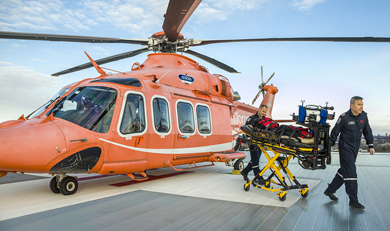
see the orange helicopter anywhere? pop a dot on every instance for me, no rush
(165, 112)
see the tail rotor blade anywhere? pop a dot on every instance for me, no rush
(257, 96)
(269, 78)
(262, 74)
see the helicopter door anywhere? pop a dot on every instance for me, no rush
(131, 145)
(189, 144)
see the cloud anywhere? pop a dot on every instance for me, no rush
(218, 10)
(39, 15)
(304, 5)
(134, 15)
(140, 17)
(23, 90)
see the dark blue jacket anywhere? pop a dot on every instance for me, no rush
(251, 119)
(351, 128)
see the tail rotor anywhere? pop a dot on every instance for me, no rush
(261, 86)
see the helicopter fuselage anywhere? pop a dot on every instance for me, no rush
(168, 111)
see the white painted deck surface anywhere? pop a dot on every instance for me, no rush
(186, 201)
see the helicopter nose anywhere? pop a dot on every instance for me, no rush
(28, 145)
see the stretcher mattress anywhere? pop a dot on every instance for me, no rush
(274, 138)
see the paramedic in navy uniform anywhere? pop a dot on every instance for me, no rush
(351, 125)
(255, 152)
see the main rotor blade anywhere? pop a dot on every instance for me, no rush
(103, 61)
(69, 38)
(178, 12)
(213, 61)
(303, 39)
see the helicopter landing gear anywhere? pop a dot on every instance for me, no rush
(67, 185)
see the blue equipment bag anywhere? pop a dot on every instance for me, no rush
(302, 114)
(324, 116)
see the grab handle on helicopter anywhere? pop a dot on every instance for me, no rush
(139, 141)
(183, 136)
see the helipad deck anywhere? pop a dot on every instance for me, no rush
(200, 199)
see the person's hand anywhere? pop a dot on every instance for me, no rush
(372, 151)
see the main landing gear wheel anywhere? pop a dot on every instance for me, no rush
(239, 165)
(54, 185)
(68, 185)
(247, 187)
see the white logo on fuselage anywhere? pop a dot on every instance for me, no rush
(238, 119)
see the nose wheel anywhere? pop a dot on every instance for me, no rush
(67, 185)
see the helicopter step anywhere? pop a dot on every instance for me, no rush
(191, 167)
(144, 176)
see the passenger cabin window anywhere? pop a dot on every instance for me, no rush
(203, 117)
(185, 116)
(89, 107)
(161, 115)
(133, 120)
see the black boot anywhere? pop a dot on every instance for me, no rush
(331, 195)
(356, 205)
(245, 175)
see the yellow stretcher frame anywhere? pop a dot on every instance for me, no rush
(276, 164)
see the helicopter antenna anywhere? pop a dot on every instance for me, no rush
(100, 70)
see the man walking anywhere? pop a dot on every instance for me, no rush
(350, 125)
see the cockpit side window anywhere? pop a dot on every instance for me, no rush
(185, 115)
(133, 120)
(89, 107)
(203, 118)
(161, 115)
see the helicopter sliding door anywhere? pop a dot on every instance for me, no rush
(194, 138)
(129, 148)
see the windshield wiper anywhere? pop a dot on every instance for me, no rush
(55, 106)
(48, 103)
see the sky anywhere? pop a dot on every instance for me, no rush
(317, 72)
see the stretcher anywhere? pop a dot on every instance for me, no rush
(310, 155)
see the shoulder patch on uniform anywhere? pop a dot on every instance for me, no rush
(339, 120)
(249, 119)
(343, 114)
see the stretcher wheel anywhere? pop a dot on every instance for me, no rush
(282, 196)
(304, 193)
(247, 187)
(267, 184)
(329, 159)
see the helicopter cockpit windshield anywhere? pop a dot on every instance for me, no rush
(89, 107)
(48, 103)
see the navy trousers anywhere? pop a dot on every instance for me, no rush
(254, 162)
(346, 174)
